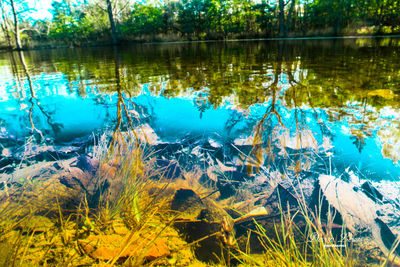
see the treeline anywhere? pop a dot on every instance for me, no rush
(104, 21)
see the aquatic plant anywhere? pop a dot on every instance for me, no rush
(126, 218)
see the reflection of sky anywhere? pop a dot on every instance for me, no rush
(58, 99)
(173, 119)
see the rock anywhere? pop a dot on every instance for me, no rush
(232, 212)
(357, 210)
(259, 212)
(226, 189)
(247, 221)
(371, 191)
(169, 169)
(354, 206)
(225, 167)
(82, 142)
(213, 212)
(7, 165)
(108, 247)
(6, 152)
(9, 140)
(86, 164)
(38, 153)
(39, 224)
(42, 170)
(318, 204)
(234, 175)
(192, 207)
(166, 150)
(202, 219)
(188, 202)
(120, 228)
(388, 238)
(146, 134)
(214, 143)
(209, 248)
(206, 180)
(108, 171)
(74, 178)
(281, 196)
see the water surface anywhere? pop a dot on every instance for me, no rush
(337, 101)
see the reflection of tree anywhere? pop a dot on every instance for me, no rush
(332, 73)
(319, 74)
(358, 141)
(56, 127)
(16, 75)
(278, 134)
(265, 125)
(122, 109)
(360, 134)
(201, 102)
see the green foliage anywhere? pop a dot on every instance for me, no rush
(342, 16)
(145, 19)
(88, 21)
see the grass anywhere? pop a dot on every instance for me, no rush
(131, 211)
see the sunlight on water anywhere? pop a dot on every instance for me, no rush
(224, 93)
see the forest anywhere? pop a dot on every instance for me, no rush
(85, 22)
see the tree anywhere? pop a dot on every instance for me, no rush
(16, 25)
(289, 17)
(4, 23)
(147, 19)
(281, 18)
(17, 8)
(112, 22)
(284, 27)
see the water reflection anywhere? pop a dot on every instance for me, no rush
(271, 95)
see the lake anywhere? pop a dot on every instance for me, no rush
(336, 95)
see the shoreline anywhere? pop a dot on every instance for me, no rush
(130, 43)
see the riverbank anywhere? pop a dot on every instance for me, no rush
(55, 45)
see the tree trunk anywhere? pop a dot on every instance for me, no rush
(281, 18)
(289, 17)
(112, 22)
(4, 25)
(16, 25)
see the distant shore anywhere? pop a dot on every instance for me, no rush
(42, 46)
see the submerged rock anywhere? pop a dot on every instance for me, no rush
(371, 191)
(7, 165)
(204, 222)
(37, 224)
(42, 170)
(39, 153)
(74, 178)
(226, 189)
(357, 210)
(259, 212)
(281, 197)
(209, 244)
(86, 164)
(186, 200)
(168, 169)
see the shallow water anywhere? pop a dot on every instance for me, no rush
(336, 99)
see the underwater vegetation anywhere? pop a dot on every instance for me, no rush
(121, 204)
